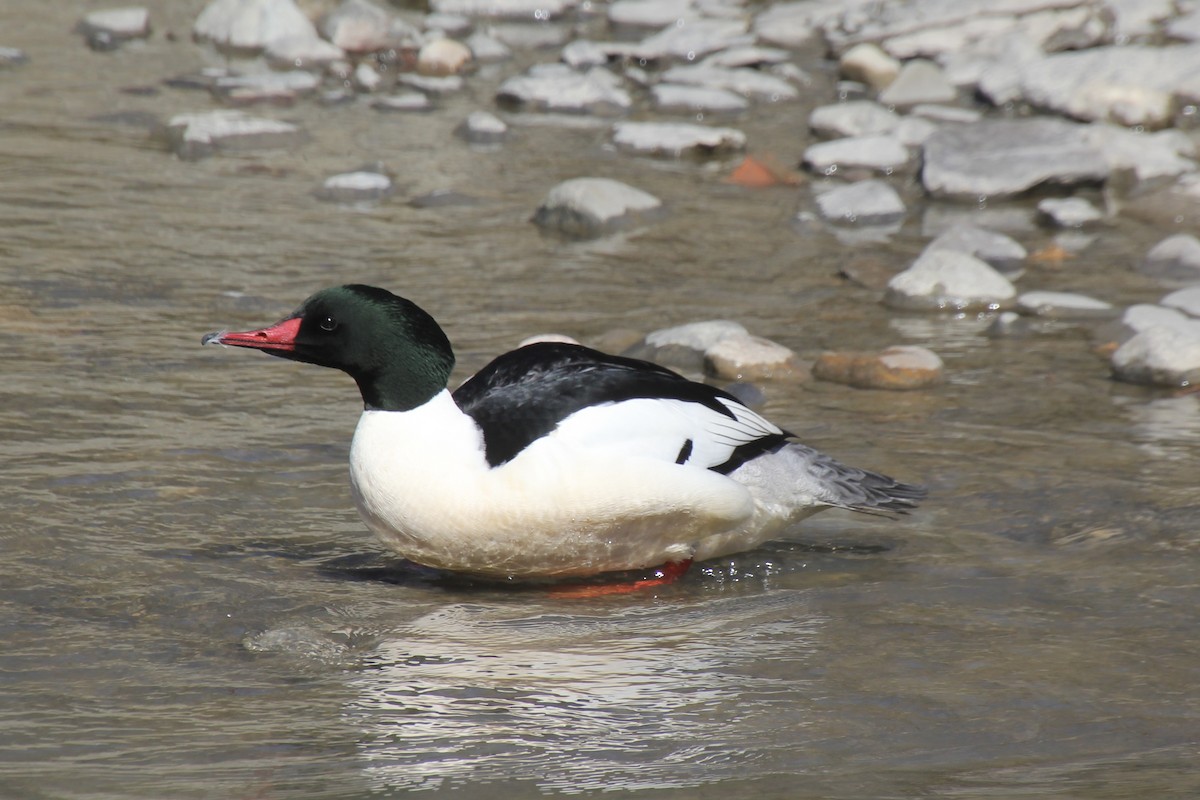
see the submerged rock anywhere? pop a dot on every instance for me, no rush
(901, 367)
(105, 30)
(869, 203)
(949, 281)
(482, 127)
(557, 87)
(1063, 305)
(1069, 212)
(587, 207)
(1004, 253)
(877, 153)
(853, 118)
(1175, 259)
(194, 136)
(676, 139)
(743, 357)
(251, 24)
(355, 187)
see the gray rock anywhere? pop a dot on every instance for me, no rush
(877, 153)
(748, 82)
(951, 281)
(1151, 158)
(650, 13)
(1138, 18)
(1069, 212)
(747, 56)
(1186, 27)
(557, 87)
(455, 25)
(919, 81)
(914, 131)
(355, 187)
(898, 368)
(487, 49)
(852, 118)
(675, 97)
(743, 357)
(868, 64)
(436, 85)
(482, 127)
(583, 53)
(1002, 253)
(952, 114)
(302, 52)
(588, 207)
(107, 29)
(1175, 259)
(793, 24)
(1128, 85)
(504, 9)
(684, 346)
(360, 26)
(676, 139)
(1063, 305)
(693, 39)
(404, 102)
(1001, 158)
(266, 86)
(251, 24)
(194, 136)
(1186, 300)
(1161, 356)
(866, 203)
(11, 57)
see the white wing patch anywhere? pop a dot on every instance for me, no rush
(659, 428)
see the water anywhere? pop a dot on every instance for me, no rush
(190, 607)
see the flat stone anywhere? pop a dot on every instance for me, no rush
(1003, 253)
(1161, 356)
(1069, 212)
(747, 56)
(877, 153)
(1002, 158)
(752, 358)
(584, 53)
(747, 82)
(1063, 305)
(355, 187)
(1152, 158)
(1128, 85)
(949, 281)
(679, 98)
(266, 86)
(868, 63)
(919, 81)
(1186, 27)
(1186, 300)
(482, 127)
(436, 85)
(650, 13)
(403, 102)
(793, 24)
(504, 9)
(251, 24)
(359, 26)
(1175, 259)
(301, 52)
(110, 28)
(676, 139)
(557, 87)
(684, 346)
(914, 131)
(898, 368)
(198, 135)
(866, 203)
(487, 48)
(692, 38)
(852, 118)
(588, 207)
(443, 57)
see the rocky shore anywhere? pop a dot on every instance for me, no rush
(1090, 106)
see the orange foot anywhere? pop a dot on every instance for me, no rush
(667, 573)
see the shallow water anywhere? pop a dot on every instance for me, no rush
(190, 607)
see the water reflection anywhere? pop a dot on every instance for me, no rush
(1166, 427)
(664, 696)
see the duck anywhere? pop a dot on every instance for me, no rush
(555, 460)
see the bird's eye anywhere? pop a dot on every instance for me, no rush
(329, 324)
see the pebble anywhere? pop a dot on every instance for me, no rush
(12, 56)
(1069, 212)
(406, 101)
(692, 38)
(747, 82)
(747, 56)
(950, 281)
(852, 118)
(355, 187)
(487, 49)
(194, 136)
(366, 78)
(919, 81)
(867, 63)
(482, 127)
(676, 139)
(1004, 157)
(898, 368)
(674, 97)
(1003, 253)
(868, 203)
(251, 24)
(1063, 305)
(110, 28)
(443, 57)
(1161, 356)
(1175, 259)
(877, 153)
(744, 357)
(589, 207)
(1186, 300)
(557, 87)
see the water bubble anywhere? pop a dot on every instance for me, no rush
(541, 14)
(699, 116)
(691, 55)
(1139, 128)
(679, 22)
(831, 170)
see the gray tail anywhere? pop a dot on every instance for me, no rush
(859, 489)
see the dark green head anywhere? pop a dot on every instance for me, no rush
(396, 353)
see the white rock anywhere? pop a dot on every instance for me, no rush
(504, 9)
(744, 357)
(487, 48)
(201, 134)
(366, 77)
(359, 26)
(252, 24)
(1186, 27)
(593, 206)
(1164, 356)
(1063, 305)
(557, 87)
(878, 153)
(948, 280)
(919, 81)
(405, 101)
(303, 51)
(1004, 253)
(674, 97)
(693, 39)
(12, 56)
(1186, 300)
(436, 85)
(443, 57)
(700, 336)
(350, 187)
(748, 82)
(115, 25)
(483, 127)
(1070, 212)
(1144, 316)
(914, 131)
(650, 13)
(867, 63)
(676, 139)
(866, 203)
(1175, 259)
(747, 56)
(852, 118)
(1152, 157)
(793, 24)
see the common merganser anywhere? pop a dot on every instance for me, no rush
(554, 460)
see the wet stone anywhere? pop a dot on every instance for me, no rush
(302, 52)
(744, 357)
(487, 48)
(12, 56)
(355, 187)
(684, 346)
(1069, 212)
(358, 26)
(747, 82)
(1186, 300)
(436, 85)
(853, 118)
(404, 102)
(676, 139)
(693, 39)
(482, 127)
(588, 207)
(266, 86)
(789, 24)
(919, 81)
(673, 97)
(198, 135)
(251, 24)
(950, 281)
(877, 153)
(443, 57)
(1002, 158)
(747, 56)
(110, 28)
(869, 203)
(867, 63)
(898, 368)
(504, 9)
(1175, 259)
(1004, 253)
(1161, 356)
(1063, 305)
(650, 13)
(557, 87)
(1153, 158)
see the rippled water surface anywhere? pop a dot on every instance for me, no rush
(190, 607)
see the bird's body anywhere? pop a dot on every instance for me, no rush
(554, 460)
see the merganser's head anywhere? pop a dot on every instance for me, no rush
(397, 354)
